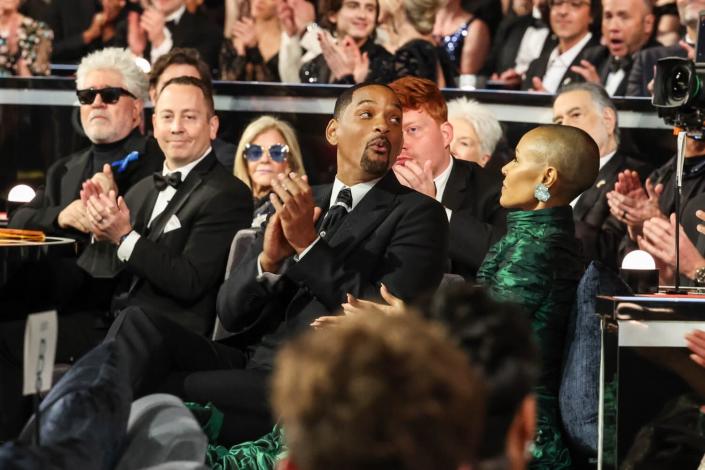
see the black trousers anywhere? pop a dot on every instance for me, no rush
(163, 356)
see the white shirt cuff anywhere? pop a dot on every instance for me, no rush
(125, 249)
(308, 248)
(270, 278)
(163, 48)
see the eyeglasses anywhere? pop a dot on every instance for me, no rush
(277, 152)
(109, 95)
(574, 4)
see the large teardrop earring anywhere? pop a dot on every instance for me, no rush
(541, 192)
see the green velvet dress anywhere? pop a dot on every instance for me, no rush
(538, 265)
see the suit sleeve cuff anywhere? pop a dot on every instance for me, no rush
(308, 248)
(127, 246)
(163, 48)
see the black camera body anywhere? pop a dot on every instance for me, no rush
(679, 88)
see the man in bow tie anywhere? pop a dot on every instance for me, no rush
(323, 246)
(627, 27)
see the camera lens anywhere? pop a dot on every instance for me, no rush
(679, 83)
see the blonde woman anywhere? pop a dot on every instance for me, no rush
(408, 25)
(268, 146)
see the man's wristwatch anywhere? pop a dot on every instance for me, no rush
(699, 277)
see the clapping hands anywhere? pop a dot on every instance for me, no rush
(344, 58)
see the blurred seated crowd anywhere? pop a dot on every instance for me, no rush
(414, 313)
(537, 45)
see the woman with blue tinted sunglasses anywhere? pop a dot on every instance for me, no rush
(268, 146)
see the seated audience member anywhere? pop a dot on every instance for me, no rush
(374, 231)
(408, 24)
(538, 263)
(111, 90)
(667, 24)
(180, 62)
(166, 24)
(361, 402)
(642, 72)
(570, 22)
(300, 41)
(632, 203)
(469, 193)
(251, 49)
(465, 37)
(267, 148)
(25, 44)
(497, 337)
(627, 28)
(350, 55)
(476, 131)
(658, 238)
(587, 107)
(518, 41)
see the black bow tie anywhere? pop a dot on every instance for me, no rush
(620, 63)
(170, 25)
(537, 23)
(172, 179)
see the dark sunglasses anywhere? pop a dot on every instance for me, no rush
(277, 152)
(109, 95)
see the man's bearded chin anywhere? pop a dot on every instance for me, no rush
(374, 166)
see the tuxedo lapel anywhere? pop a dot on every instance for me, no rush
(367, 215)
(71, 182)
(455, 187)
(598, 190)
(192, 181)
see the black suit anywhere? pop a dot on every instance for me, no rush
(68, 19)
(64, 179)
(599, 233)
(196, 31)
(538, 66)
(643, 69)
(599, 56)
(178, 271)
(394, 235)
(477, 220)
(506, 43)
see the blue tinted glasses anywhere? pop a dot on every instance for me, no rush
(277, 152)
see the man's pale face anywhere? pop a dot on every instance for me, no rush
(575, 108)
(173, 71)
(356, 18)
(626, 25)
(108, 123)
(167, 7)
(182, 124)
(424, 139)
(570, 23)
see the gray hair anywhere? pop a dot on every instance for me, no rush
(121, 61)
(599, 98)
(482, 120)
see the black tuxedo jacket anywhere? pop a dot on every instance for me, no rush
(599, 56)
(177, 271)
(477, 220)
(196, 31)
(394, 236)
(506, 43)
(68, 19)
(599, 233)
(538, 66)
(64, 179)
(643, 69)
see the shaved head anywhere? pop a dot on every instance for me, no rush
(571, 151)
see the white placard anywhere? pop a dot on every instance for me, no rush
(39, 351)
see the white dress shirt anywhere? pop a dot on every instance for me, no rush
(531, 44)
(613, 81)
(441, 181)
(163, 198)
(168, 43)
(558, 64)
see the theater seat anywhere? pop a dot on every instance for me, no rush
(162, 433)
(242, 241)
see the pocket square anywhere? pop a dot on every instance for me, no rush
(172, 224)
